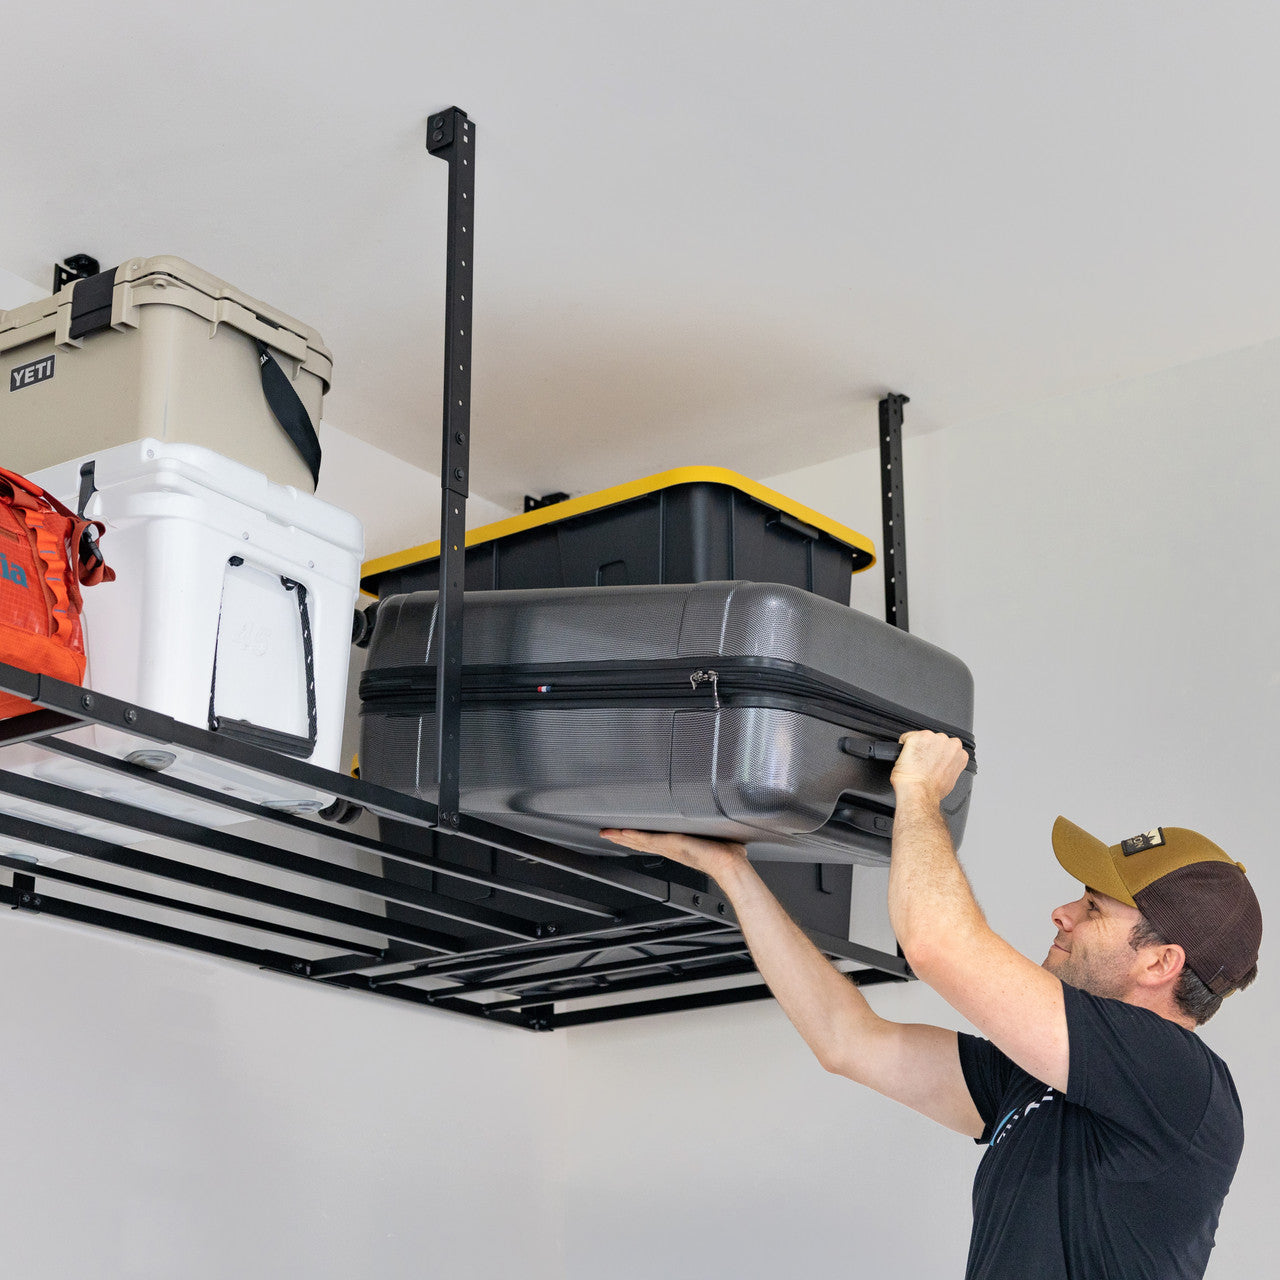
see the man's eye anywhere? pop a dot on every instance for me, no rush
(1093, 906)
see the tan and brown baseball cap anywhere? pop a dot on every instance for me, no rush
(1192, 892)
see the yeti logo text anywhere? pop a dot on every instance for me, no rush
(27, 375)
(13, 572)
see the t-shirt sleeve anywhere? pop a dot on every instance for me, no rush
(986, 1072)
(1143, 1075)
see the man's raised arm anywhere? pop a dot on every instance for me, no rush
(913, 1064)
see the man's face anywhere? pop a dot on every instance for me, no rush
(1092, 951)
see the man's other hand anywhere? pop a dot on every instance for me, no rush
(712, 857)
(930, 763)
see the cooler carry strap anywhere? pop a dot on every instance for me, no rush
(289, 411)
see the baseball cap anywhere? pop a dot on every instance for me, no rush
(1192, 892)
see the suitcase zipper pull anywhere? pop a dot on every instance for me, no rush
(707, 676)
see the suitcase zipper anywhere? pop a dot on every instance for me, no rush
(738, 682)
(701, 677)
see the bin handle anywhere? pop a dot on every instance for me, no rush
(788, 521)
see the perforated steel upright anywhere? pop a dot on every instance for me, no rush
(452, 137)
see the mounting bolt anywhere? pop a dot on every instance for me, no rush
(298, 966)
(455, 819)
(551, 928)
(697, 899)
(460, 438)
(720, 907)
(130, 715)
(86, 701)
(37, 901)
(458, 473)
(26, 899)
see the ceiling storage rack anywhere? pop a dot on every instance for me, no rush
(438, 909)
(541, 927)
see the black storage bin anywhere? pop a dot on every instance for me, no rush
(694, 524)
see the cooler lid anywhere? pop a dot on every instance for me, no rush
(172, 281)
(589, 502)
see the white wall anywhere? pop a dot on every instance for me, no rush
(1106, 565)
(14, 290)
(398, 503)
(171, 1116)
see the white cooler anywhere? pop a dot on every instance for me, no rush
(217, 571)
(157, 348)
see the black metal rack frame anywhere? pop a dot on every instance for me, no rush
(609, 930)
(545, 937)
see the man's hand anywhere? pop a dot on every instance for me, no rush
(931, 763)
(712, 857)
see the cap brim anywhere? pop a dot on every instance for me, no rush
(1089, 860)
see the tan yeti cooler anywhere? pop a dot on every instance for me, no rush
(158, 348)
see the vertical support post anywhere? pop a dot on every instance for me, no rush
(452, 137)
(893, 511)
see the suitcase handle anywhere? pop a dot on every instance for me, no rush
(868, 749)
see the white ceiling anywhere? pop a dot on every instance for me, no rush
(706, 232)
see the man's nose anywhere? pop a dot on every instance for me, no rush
(1062, 917)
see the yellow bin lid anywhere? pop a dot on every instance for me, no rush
(863, 547)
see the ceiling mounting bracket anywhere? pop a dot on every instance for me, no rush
(547, 500)
(80, 266)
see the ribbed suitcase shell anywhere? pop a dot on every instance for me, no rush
(758, 768)
(177, 363)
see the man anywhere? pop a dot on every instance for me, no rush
(1112, 1132)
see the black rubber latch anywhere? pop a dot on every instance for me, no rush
(91, 304)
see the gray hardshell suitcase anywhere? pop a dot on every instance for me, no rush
(748, 711)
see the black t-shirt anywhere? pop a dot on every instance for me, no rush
(1122, 1179)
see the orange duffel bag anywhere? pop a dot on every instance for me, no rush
(46, 554)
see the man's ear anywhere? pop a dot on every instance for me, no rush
(1162, 964)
